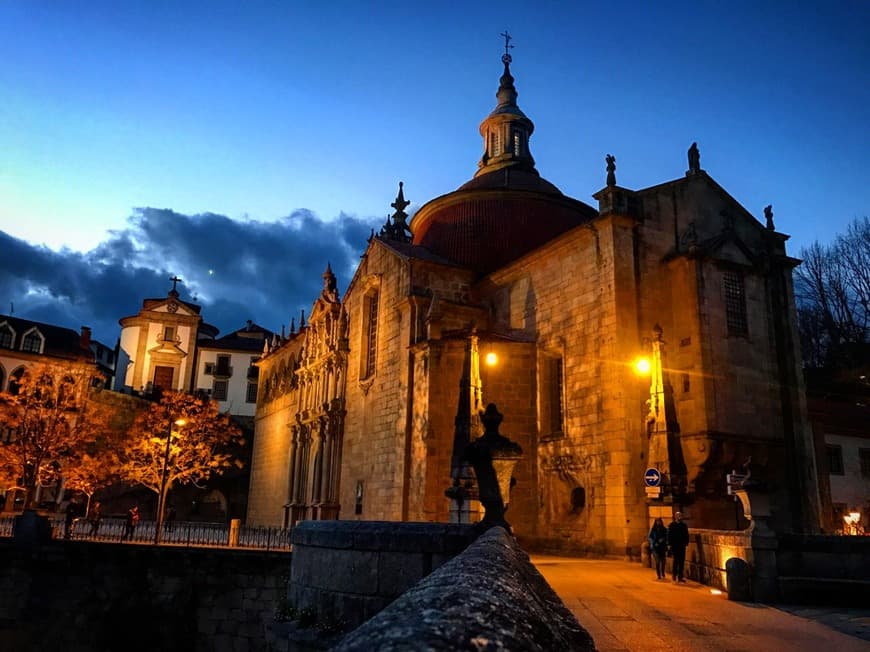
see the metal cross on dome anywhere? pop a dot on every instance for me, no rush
(506, 57)
(174, 280)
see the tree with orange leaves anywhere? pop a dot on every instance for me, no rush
(183, 439)
(49, 420)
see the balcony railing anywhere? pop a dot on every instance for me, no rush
(223, 370)
(180, 533)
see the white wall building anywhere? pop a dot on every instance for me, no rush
(225, 368)
(158, 345)
(167, 345)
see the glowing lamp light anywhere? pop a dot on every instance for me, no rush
(715, 592)
(852, 519)
(491, 359)
(641, 366)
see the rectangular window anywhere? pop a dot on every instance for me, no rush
(864, 456)
(169, 333)
(552, 395)
(251, 395)
(223, 368)
(735, 303)
(209, 369)
(516, 144)
(835, 460)
(370, 345)
(219, 390)
(253, 370)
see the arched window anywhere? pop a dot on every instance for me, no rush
(15, 381)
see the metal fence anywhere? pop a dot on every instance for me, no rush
(179, 533)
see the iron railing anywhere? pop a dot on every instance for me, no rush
(179, 533)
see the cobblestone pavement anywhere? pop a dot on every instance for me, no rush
(625, 608)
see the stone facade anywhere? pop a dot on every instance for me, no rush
(567, 297)
(300, 418)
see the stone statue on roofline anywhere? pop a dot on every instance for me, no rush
(694, 159)
(611, 169)
(768, 217)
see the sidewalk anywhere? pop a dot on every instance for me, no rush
(625, 608)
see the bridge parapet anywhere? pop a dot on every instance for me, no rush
(488, 597)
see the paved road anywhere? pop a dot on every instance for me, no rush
(625, 608)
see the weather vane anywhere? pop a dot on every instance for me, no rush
(506, 57)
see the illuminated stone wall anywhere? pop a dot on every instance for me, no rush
(585, 303)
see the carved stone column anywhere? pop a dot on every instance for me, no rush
(493, 457)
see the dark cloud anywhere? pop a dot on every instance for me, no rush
(237, 270)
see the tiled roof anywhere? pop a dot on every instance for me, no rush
(485, 229)
(60, 342)
(247, 338)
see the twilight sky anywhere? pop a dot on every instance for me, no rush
(244, 145)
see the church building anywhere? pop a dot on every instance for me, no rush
(507, 291)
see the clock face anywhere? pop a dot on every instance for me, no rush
(172, 307)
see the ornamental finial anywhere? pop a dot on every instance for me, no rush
(506, 57)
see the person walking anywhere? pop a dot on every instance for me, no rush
(658, 546)
(95, 516)
(678, 541)
(72, 511)
(170, 518)
(131, 523)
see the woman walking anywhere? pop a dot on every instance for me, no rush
(658, 546)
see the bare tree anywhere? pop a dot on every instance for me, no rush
(832, 290)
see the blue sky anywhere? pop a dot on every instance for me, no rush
(262, 111)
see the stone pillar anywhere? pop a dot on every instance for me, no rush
(756, 509)
(235, 527)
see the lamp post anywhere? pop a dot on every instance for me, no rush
(158, 522)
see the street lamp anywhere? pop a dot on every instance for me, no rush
(158, 524)
(642, 366)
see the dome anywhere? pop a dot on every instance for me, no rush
(507, 209)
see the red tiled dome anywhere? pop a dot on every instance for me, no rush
(485, 228)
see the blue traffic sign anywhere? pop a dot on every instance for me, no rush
(652, 477)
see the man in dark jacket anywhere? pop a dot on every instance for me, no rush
(678, 541)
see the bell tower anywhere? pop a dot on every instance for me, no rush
(506, 131)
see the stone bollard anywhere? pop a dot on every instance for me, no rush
(738, 580)
(235, 526)
(493, 457)
(30, 529)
